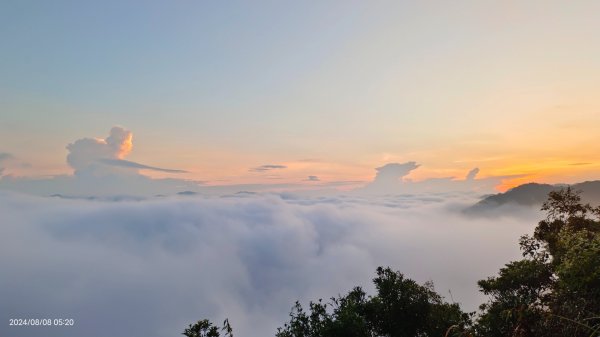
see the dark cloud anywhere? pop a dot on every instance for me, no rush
(265, 168)
(187, 193)
(580, 164)
(4, 156)
(312, 178)
(472, 174)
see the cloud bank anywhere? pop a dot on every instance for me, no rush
(148, 268)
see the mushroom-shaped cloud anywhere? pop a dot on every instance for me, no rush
(98, 156)
(85, 154)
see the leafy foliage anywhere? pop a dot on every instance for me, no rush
(401, 308)
(555, 289)
(204, 328)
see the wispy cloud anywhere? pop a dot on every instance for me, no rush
(265, 168)
(344, 182)
(310, 160)
(476, 160)
(131, 164)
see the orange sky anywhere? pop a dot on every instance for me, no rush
(509, 88)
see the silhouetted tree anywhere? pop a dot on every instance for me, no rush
(204, 328)
(555, 290)
(401, 308)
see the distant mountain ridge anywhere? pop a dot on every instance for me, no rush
(534, 194)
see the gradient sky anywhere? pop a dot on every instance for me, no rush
(326, 88)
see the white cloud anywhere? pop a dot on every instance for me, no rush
(93, 156)
(148, 268)
(85, 153)
(391, 179)
(100, 170)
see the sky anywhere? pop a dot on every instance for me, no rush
(167, 161)
(330, 89)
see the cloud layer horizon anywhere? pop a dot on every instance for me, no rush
(150, 267)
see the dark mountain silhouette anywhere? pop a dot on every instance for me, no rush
(534, 195)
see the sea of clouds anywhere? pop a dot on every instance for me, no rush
(150, 267)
